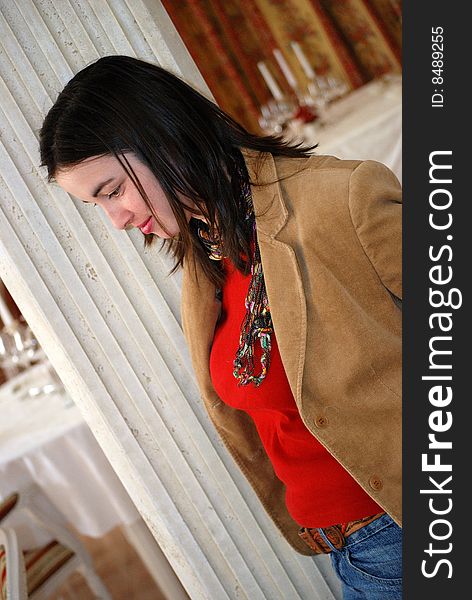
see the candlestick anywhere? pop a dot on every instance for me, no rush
(270, 81)
(309, 71)
(285, 69)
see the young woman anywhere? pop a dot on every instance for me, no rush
(291, 288)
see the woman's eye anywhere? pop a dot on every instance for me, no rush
(114, 193)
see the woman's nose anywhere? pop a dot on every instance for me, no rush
(118, 216)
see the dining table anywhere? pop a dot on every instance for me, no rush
(45, 442)
(364, 124)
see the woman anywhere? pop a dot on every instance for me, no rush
(291, 288)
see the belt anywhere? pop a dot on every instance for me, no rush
(336, 534)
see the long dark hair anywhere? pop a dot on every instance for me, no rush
(121, 104)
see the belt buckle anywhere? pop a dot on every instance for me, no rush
(334, 533)
(335, 536)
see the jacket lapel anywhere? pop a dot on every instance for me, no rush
(281, 271)
(282, 277)
(200, 311)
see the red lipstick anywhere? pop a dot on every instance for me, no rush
(146, 227)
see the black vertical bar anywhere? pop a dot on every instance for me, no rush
(436, 130)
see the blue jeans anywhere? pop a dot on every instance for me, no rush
(370, 564)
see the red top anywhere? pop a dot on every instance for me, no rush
(319, 491)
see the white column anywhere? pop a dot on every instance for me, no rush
(107, 315)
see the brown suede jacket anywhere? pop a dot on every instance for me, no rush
(329, 233)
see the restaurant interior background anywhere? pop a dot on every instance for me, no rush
(354, 41)
(271, 64)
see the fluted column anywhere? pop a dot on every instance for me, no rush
(107, 315)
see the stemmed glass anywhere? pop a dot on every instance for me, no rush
(321, 91)
(315, 97)
(337, 88)
(276, 114)
(20, 350)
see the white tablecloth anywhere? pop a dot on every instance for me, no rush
(45, 440)
(366, 124)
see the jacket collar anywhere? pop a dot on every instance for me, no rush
(282, 277)
(269, 207)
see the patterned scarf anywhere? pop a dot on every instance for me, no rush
(257, 322)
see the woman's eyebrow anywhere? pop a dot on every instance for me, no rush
(100, 186)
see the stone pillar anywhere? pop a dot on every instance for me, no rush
(107, 315)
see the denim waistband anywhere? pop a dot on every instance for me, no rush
(364, 532)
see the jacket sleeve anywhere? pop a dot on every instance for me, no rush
(375, 204)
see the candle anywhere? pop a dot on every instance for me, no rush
(309, 72)
(270, 81)
(285, 69)
(5, 314)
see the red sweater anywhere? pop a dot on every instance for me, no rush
(319, 491)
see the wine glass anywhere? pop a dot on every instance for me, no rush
(337, 88)
(276, 114)
(18, 346)
(317, 97)
(20, 350)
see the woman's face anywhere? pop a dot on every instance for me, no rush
(103, 181)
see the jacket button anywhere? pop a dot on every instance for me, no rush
(321, 421)
(376, 483)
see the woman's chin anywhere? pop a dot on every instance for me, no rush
(162, 235)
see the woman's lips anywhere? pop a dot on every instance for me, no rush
(146, 227)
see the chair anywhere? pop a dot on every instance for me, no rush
(36, 574)
(12, 568)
